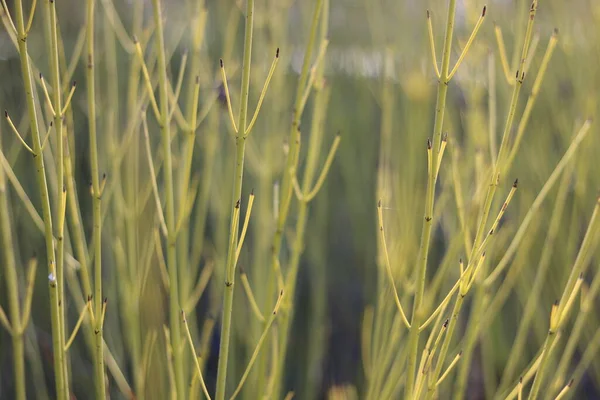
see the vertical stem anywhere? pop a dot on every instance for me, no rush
(421, 269)
(58, 125)
(96, 208)
(59, 361)
(174, 300)
(13, 292)
(291, 161)
(240, 143)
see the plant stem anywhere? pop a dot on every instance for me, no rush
(57, 342)
(12, 284)
(174, 300)
(290, 166)
(240, 143)
(96, 207)
(60, 142)
(421, 268)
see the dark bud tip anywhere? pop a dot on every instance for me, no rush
(74, 83)
(252, 192)
(5, 114)
(277, 53)
(51, 123)
(242, 269)
(556, 303)
(555, 32)
(428, 144)
(446, 323)
(483, 12)
(571, 382)
(104, 176)
(428, 15)
(445, 137)
(221, 61)
(516, 183)
(64, 188)
(581, 275)
(135, 39)
(483, 255)
(237, 204)
(460, 353)
(41, 76)
(379, 204)
(521, 380)
(197, 79)
(517, 76)
(105, 300)
(281, 293)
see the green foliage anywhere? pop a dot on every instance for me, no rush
(346, 225)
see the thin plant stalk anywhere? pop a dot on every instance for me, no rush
(96, 207)
(165, 128)
(57, 342)
(421, 267)
(286, 188)
(561, 311)
(240, 143)
(314, 148)
(56, 105)
(10, 271)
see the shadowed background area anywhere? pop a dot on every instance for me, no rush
(372, 81)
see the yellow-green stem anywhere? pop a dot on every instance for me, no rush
(174, 300)
(240, 143)
(96, 207)
(421, 268)
(13, 292)
(57, 343)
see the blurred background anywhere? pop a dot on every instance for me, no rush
(377, 87)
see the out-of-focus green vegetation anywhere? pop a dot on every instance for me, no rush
(375, 246)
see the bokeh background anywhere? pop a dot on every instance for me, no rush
(381, 87)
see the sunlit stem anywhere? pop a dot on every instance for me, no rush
(192, 348)
(312, 73)
(250, 295)
(29, 296)
(227, 96)
(442, 150)
(468, 45)
(258, 347)
(564, 391)
(47, 94)
(178, 85)
(82, 315)
(442, 305)
(4, 321)
(47, 136)
(307, 197)
(147, 80)
(432, 45)
(69, 97)
(262, 94)
(159, 209)
(449, 369)
(503, 58)
(14, 128)
(244, 228)
(31, 14)
(388, 266)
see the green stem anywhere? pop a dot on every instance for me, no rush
(174, 300)
(96, 208)
(290, 166)
(57, 343)
(240, 143)
(12, 284)
(60, 142)
(421, 268)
